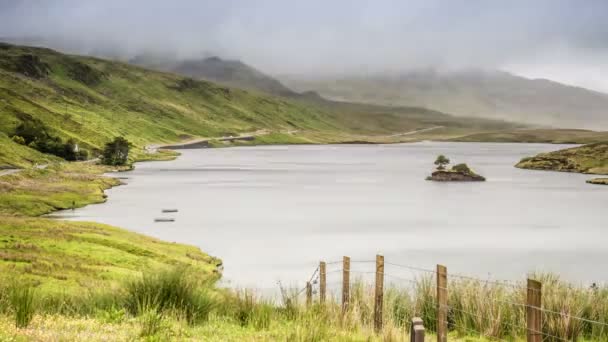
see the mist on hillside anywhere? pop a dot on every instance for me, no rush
(560, 40)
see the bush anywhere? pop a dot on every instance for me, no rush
(33, 133)
(116, 152)
(463, 168)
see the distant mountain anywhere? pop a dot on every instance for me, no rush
(477, 93)
(232, 73)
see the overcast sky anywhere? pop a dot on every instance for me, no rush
(562, 40)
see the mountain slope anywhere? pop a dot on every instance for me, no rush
(92, 100)
(231, 73)
(488, 94)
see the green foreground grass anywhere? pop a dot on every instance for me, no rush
(177, 304)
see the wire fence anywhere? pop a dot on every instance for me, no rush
(498, 310)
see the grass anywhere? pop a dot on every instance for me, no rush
(592, 158)
(479, 311)
(13, 155)
(21, 300)
(63, 257)
(34, 192)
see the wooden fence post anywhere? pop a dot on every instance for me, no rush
(345, 283)
(442, 303)
(533, 311)
(308, 293)
(379, 293)
(322, 281)
(417, 330)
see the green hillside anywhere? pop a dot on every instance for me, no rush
(15, 155)
(92, 100)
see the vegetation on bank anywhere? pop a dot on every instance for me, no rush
(592, 158)
(38, 191)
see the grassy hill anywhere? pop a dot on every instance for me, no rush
(478, 93)
(592, 158)
(92, 100)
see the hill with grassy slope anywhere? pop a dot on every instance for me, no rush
(478, 93)
(90, 101)
(592, 158)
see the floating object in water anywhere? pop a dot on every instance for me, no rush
(164, 219)
(169, 210)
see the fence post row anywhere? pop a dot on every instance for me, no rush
(308, 293)
(345, 283)
(322, 281)
(533, 311)
(379, 293)
(442, 303)
(417, 331)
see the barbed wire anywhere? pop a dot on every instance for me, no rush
(485, 282)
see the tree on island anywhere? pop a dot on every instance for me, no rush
(116, 152)
(441, 162)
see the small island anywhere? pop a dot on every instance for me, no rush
(457, 173)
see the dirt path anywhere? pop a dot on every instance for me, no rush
(13, 171)
(201, 141)
(414, 132)
(9, 172)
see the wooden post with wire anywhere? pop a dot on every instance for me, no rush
(345, 283)
(308, 294)
(322, 281)
(442, 303)
(533, 311)
(379, 293)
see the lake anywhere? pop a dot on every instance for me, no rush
(272, 212)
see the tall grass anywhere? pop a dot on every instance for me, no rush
(21, 299)
(489, 310)
(170, 292)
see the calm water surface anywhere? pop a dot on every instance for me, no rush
(271, 213)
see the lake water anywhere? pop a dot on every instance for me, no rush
(271, 213)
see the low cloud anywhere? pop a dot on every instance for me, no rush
(556, 39)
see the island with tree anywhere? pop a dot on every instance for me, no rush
(457, 173)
